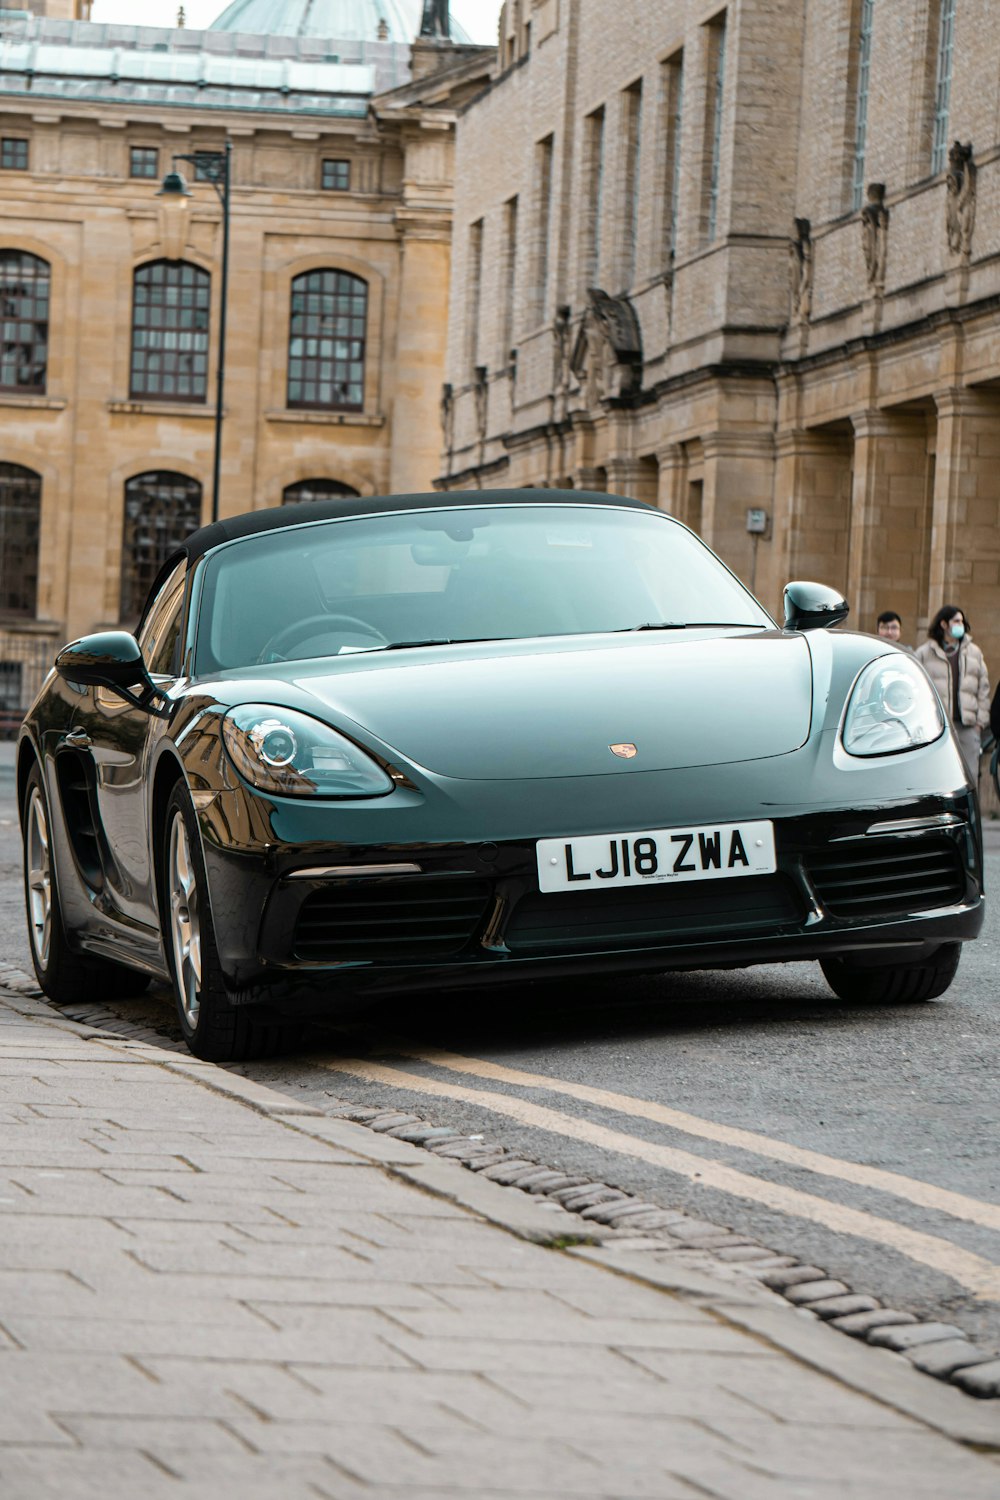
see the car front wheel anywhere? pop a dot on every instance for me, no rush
(893, 983)
(213, 1027)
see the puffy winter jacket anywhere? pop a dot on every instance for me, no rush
(973, 680)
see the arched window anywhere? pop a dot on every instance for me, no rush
(161, 509)
(170, 317)
(24, 322)
(315, 489)
(20, 508)
(326, 346)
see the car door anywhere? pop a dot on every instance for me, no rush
(118, 737)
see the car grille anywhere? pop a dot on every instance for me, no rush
(883, 877)
(425, 917)
(652, 914)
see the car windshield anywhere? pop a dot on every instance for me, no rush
(368, 583)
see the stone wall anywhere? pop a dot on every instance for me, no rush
(848, 385)
(77, 208)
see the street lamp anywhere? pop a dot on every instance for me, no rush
(213, 167)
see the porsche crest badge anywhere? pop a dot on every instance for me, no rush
(627, 752)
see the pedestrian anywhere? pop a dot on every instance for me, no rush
(890, 627)
(957, 668)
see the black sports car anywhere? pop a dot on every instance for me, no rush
(367, 746)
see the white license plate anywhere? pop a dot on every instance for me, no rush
(601, 861)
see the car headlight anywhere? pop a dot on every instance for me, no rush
(279, 750)
(893, 707)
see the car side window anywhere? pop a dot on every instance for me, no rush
(160, 633)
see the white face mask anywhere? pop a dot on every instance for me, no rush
(956, 631)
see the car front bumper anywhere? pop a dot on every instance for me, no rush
(331, 920)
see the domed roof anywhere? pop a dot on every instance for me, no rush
(332, 20)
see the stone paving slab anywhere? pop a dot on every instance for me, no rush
(204, 1294)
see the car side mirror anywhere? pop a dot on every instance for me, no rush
(110, 659)
(809, 606)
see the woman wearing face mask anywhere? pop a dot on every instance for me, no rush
(956, 666)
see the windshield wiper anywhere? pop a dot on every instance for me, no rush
(470, 640)
(651, 625)
(691, 625)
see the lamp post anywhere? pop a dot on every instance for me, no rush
(213, 167)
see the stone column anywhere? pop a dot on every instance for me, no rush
(738, 476)
(871, 434)
(419, 365)
(890, 518)
(965, 527)
(625, 477)
(673, 480)
(812, 506)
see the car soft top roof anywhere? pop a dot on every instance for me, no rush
(253, 522)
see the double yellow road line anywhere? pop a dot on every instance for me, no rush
(973, 1272)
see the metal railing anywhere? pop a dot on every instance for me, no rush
(24, 664)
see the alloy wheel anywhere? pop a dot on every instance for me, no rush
(185, 926)
(39, 877)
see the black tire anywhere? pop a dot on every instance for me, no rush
(213, 1027)
(65, 976)
(895, 983)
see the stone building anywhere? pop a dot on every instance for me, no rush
(745, 256)
(337, 309)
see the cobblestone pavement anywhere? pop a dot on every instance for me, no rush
(206, 1290)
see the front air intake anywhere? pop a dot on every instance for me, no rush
(414, 919)
(887, 877)
(653, 915)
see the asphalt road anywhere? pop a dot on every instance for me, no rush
(667, 1086)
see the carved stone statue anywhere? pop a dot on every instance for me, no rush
(960, 202)
(480, 395)
(561, 362)
(801, 261)
(607, 355)
(875, 235)
(436, 22)
(448, 421)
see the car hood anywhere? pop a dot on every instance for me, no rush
(554, 708)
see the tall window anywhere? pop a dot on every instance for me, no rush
(942, 84)
(24, 322)
(473, 294)
(20, 511)
(593, 193)
(316, 489)
(326, 345)
(170, 318)
(509, 274)
(717, 82)
(544, 158)
(673, 101)
(632, 126)
(861, 101)
(161, 509)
